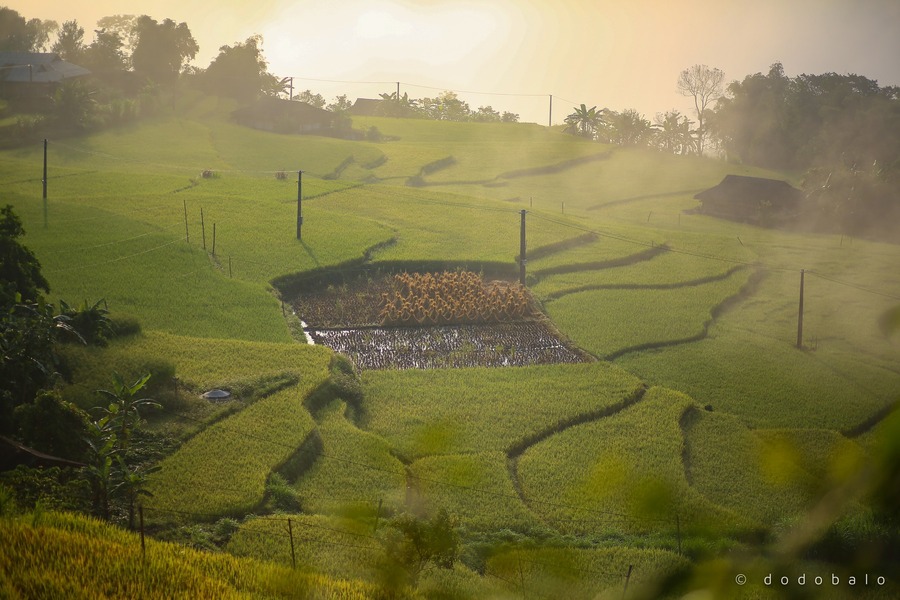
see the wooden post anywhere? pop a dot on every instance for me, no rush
(187, 235)
(229, 266)
(627, 578)
(44, 181)
(291, 534)
(203, 228)
(143, 547)
(522, 260)
(377, 515)
(678, 530)
(299, 203)
(214, 240)
(800, 315)
(521, 575)
(550, 120)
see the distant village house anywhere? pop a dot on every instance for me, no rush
(366, 107)
(285, 116)
(33, 77)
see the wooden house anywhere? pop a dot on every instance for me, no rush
(33, 77)
(285, 116)
(755, 200)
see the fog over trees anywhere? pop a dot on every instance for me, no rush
(839, 132)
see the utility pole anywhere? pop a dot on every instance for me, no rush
(800, 315)
(44, 181)
(550, 120)
(299, 203)
(522, 260)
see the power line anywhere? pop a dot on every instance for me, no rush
(114, 260)
(427, 87)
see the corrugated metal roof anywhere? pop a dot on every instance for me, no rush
(37, 67)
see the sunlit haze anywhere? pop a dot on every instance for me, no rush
(514, 54)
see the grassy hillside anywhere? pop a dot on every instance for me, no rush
(698, 395)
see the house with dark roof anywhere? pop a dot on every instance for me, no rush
(751, 200)
(366, 107)
(285, 116)
(30, 76)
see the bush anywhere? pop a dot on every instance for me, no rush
(124, 326)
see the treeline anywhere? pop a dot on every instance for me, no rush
(135, 60)
(842, 132)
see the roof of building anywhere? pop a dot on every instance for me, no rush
(37, 67)
(366, 106)
(277, 107)
(740, 188)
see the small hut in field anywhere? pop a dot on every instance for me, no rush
(756, 200)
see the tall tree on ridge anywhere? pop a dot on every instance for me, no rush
(704, 85)
(162, 49)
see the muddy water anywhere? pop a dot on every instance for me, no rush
(497, 345)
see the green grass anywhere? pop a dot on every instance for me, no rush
(357, 467)
(475, 488)
(769, 383)
(606, 322)
(583, 573)
(735, 469)
(116, 230)
(621, 473)
(453, 411)
(224, 468)
(342, 546)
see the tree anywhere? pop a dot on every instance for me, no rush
(162, 50)
(486, 114)
(392, 106)
(29, 333)
(509, 117)
(109, 440)
(240, 72)
(124, 407)
(704, 85)
(628, 128)
(341, 104)
(105, 54)
(69, 42)
(414, 544)
(446, 107)
(19, 35)
(585, 122)
(310, 98)
(73, 105)
(125, 26)
(20, 270)
(673, 133)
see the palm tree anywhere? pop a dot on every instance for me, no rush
(392, 106)
(585, 122)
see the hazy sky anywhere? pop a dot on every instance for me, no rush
(610, 53)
